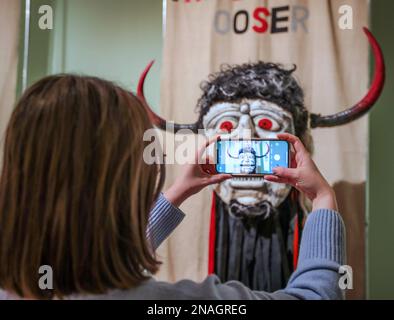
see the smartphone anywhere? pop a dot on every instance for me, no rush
(251, 157)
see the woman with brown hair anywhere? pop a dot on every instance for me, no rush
(76, 195)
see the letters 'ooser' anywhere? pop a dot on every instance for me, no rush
(263, 20)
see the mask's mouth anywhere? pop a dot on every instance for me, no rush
(263, 210)
(247, 182)
(247, 169)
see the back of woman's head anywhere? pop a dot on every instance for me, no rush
(75, 193)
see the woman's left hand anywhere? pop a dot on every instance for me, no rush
(194, 178)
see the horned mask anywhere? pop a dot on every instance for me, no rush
(262, 99)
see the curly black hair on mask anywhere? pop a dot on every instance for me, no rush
(266, 81)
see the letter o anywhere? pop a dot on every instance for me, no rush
(236, 18)
(220, 16)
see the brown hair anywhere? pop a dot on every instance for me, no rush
(75, 193)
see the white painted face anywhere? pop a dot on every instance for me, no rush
(249, 119)
(247, 162)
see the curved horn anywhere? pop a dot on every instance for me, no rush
(155, 118)
(369, 99)
(231, 156)
(264, 155)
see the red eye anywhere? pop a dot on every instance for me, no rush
(265, 124)
(226, 126)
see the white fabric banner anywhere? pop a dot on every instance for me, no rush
(332, 68)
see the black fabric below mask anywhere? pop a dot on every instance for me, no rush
(254, 249)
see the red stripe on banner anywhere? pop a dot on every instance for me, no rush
(296, 242)
(212, 237)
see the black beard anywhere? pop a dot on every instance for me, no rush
(261, 211)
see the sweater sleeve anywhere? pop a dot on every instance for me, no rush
(163, 219)
(322, 252)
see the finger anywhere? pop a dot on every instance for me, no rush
(276, 179)
(287, 173)
(208, 168)
(202, 149)
(293, 160)
(219, 178)
(271, 178)
(295, 142)
(210, 160)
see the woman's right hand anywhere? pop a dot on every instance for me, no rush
(305, 176)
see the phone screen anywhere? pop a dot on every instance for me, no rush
(251, 156)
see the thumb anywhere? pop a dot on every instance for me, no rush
(219, 178)
(287, 173)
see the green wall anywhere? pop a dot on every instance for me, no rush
(38, 46)
(380, 262)
(111, 39)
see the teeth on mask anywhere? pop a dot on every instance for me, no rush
(247, 179)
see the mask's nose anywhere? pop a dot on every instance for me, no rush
(246, 128)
